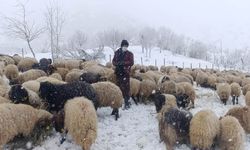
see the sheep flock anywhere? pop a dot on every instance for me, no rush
(63, 102)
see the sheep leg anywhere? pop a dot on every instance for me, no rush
(63, 137)
(134, 100)
(237, 100)
(169, 147)
(233, 99)
(116, 113)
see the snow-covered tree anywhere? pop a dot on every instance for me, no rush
(55, 20)
(148, 38)
(77, 47)
(198, 50)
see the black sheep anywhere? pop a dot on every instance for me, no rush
(43, 64)
(57, 95)
(18, 94)
(179, 119)
(158, 99)
(90, 77)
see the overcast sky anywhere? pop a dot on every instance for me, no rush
(206, 20)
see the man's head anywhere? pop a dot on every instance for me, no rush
(124, 45)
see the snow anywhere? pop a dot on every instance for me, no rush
(137, 128)
(157, 58)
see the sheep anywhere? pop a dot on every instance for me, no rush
(232, 135)
(204, 128)
(20, 119)
(73, 76)
(211, 81)
(168, 87)
(146, 89)
(11, 71)
(109, 65)
(201, 79)
(243, 116)
(57, 94)
(135, 86)
(59, 63)
(235, 92)
(185, 94)
(145, 76)
(232, 78)
(50, 79)
(6, 59)
(162, 79)
(73, 64)
(245, 89)
(32, 74)
(43, 65)
(4, 100)
(19, 94)
(247, 98)
(81, 121)
(245, 81)
(90, 77)
(109, 95)
(221, 80)
(33, 85)
(224, 91)
(26, 64)
(4, 90)
(175, 127)
(16, 58)
(56, 76)
(162, 99)
(2, 65)
(180, 78)
(173, 123)
(62, 71)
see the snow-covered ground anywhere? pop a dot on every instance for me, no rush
(156, 58)
(137, 129)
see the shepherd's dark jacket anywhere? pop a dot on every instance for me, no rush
(123, 62)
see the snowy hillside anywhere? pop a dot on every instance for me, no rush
(156, 58)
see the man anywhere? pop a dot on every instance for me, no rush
(123, 60)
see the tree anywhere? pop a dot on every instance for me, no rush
(198, 50)
(55, 20)
(22, 28)
(77, 48)
(147, 38)
(162, 38)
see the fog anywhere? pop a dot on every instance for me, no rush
(210, 21)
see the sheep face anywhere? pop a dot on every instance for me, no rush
(179, 119)
(51, 69)
(45, 88)
(18, 94)
(159, 100)
(58, 121)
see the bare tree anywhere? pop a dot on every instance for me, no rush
(162, 37)
(22, 28)
(55, 20)
(147, 40)
(77, 47)
(198, 50)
